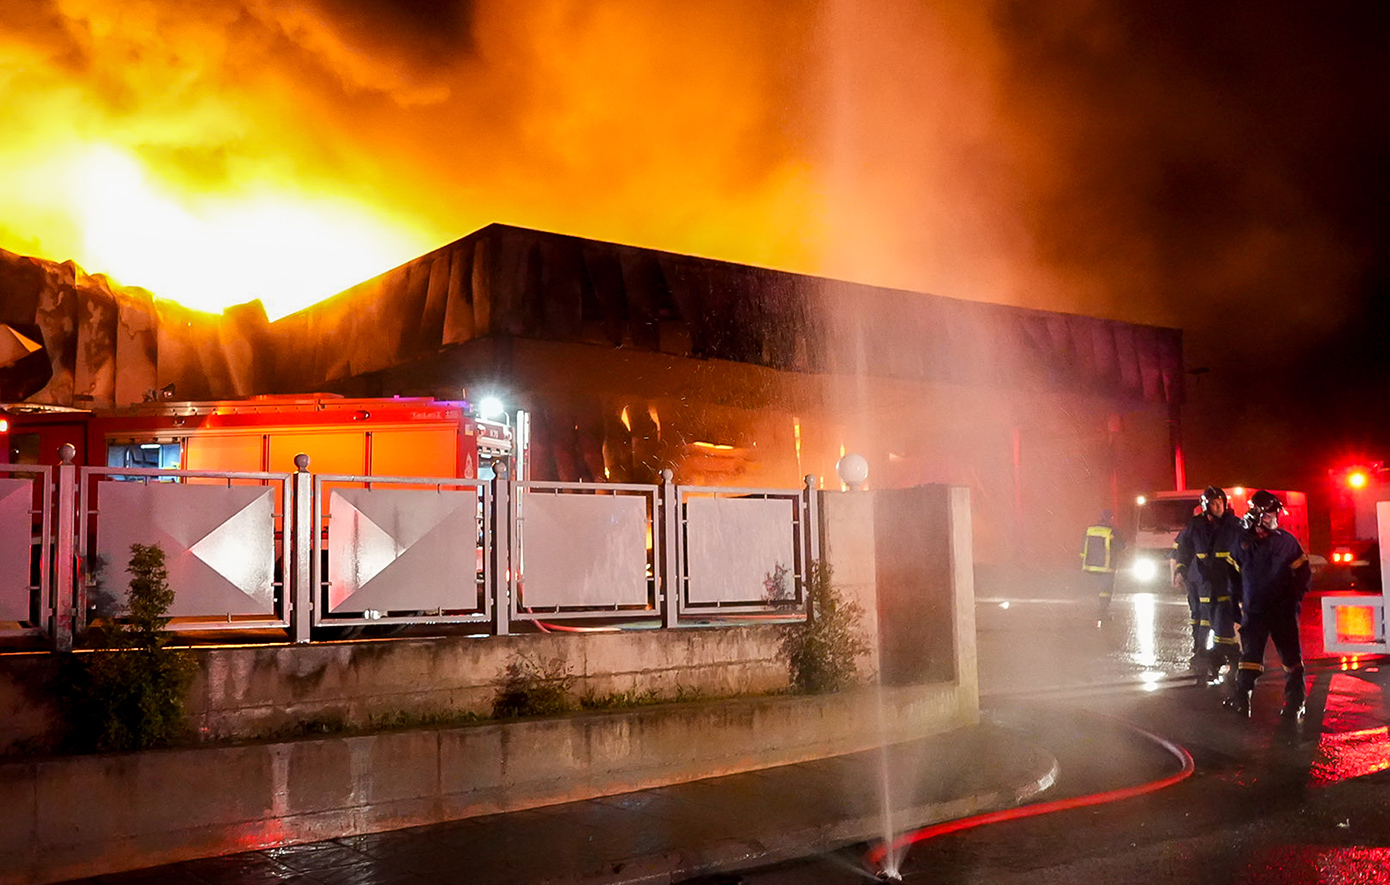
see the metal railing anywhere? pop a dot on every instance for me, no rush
(313, 556)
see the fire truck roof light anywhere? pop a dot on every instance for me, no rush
(1357, 479)
(490, 407)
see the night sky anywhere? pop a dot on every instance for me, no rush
(1220, 167)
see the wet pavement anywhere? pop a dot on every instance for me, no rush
(1269, 802)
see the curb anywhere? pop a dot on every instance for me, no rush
(1038, 772)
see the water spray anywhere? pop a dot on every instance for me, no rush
(883, 858)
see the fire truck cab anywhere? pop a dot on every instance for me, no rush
(1160, 516)
(1354, 561)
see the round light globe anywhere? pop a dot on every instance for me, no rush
(489, 408)
(852, 469)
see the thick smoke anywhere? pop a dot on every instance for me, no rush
(1215, 168)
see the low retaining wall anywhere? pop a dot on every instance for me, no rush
(68, 817)
(254, 692)
(251, 692)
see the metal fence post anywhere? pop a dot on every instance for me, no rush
(300, 530)
(503, 552)
(670, 550)
(65, 573)
(812, 525)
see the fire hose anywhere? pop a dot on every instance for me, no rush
(875, 856)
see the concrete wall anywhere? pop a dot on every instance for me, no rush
(254, 692)
(249, 692)
(80, 816)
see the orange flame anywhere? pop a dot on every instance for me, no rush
(238, 149)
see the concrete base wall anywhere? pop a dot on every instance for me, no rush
(68, 817)
(252, 692)
(255, 692)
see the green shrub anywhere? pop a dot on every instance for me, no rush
(529, 687)
(129, 695)
(821, 652)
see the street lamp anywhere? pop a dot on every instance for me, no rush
(853, 470)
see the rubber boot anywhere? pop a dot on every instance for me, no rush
(1294, 698)
(1293, 709)
(1214, 675)
(1198, 662)
(1223, 667)
(1238, 702)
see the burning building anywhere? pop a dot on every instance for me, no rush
(631, 361)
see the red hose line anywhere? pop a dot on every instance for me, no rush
(564, 628)
(874, 857)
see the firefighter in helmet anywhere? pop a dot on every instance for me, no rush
(1202, 554)
(1274, 576)
(1099, 552)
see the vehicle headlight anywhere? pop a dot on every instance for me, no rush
(1144, 569)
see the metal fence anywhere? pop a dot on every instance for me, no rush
(326, 555)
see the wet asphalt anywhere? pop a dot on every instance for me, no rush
(1269, 801)
(1066, 705)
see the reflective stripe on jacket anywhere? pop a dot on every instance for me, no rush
(1095, 555)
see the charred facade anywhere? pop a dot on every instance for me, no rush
(632, 361)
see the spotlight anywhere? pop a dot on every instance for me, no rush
(491, 407)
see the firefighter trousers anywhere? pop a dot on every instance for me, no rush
(1198, 618)
(1220, 614)
(1104, 583)
(1256, 630)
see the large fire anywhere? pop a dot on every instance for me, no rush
(224, 150)
(236, 149)
(286, 249)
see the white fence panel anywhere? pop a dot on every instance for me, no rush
(734, 544)
(584, 550)
(218, 542)
(16, 531)
(398, 550)
(402, 550)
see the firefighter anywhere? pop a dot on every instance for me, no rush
(1274, 576)
(1203, 556)
(1099, 553)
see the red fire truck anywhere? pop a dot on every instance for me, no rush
(1354, 562)
(398, 436)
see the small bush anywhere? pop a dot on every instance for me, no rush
(529, 687)
(130, 694)
(821, 653)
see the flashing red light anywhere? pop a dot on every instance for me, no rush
(1357, 479)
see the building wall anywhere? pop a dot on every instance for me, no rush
(633, 360)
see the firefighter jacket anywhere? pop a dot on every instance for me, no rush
(1274, 571)
(1203, 553)
(1100, 549)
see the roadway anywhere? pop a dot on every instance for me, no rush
(1269, 802)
